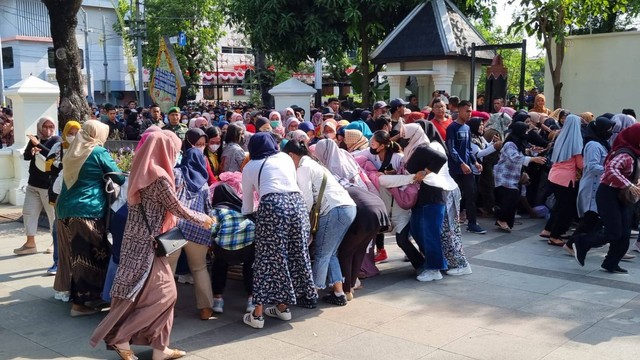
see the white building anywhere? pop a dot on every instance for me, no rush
(26, 38)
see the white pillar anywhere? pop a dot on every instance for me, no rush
(424, 95)
(32, 99)
(397, 84)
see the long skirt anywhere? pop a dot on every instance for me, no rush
(451, 237)
(149, 318)
(88, 258)
(282, 269)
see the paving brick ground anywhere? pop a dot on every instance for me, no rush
(524, 300)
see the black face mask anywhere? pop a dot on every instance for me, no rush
(403, 142)
(373, 151)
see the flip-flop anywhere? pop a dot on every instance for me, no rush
(551, 242)
(545, 236)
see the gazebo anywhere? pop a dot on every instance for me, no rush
(433, 46)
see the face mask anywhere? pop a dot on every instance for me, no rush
(185, 121)
(275, 124)
(373, 151)
(214, 147)
(403, 143)
(330, 135)
(178, 159)
(70, 138)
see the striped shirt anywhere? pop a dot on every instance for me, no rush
(617, 171)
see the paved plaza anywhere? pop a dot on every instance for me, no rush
(525, 300)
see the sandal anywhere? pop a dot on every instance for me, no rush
(335, 299)
(555, 242)
(503, 227)
(546, 236)
(175, 354)
(124, 354)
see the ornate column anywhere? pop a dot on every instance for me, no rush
(397, 85)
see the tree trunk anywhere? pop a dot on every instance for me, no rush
(261, 69)
(555, 68)
(364, 65)
(63, 19)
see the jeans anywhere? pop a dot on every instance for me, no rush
(331, 229)
(467, 185)
(222, 258)
(426, 227)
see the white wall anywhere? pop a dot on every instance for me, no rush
(600, 73)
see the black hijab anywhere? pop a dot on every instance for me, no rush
(518, 135)
(225, 196)
(191, 138)
(599, 130)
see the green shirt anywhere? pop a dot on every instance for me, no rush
(87, 198)
(180, 129)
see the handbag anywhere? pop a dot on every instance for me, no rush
(625, 196)
(314, 215)
(168, 242)
(110, 187)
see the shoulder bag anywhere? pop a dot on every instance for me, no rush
(168, 242)
(314, 216)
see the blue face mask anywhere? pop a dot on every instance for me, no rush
(178, 159)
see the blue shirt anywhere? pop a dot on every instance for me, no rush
(459, 145)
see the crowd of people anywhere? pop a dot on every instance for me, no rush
(303, 206)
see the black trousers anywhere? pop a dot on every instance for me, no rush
(351, 253)
(508, 200)
(616, 222)
(564, 210)
(221, 261)
(415, 256)
(467, 186)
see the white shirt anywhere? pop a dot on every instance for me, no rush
(278, 176)
(310, 175)
(396, 158)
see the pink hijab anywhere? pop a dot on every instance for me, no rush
(145, 135)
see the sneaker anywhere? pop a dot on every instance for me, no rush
(282, 315)
(49, 249)
(381, 256)
(429, 275)
(464, 270)
(636, 246)
(634, 232)
(628, 256)
(256, 322)
(306, 303)
(53, 269)
(62, 296)
(185, 279)
(218, 305)
(615, 270)
(579, 253)
(334, 299)
(24, 250)
(250, 305)
(476, 229)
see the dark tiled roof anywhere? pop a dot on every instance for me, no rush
(434, 30)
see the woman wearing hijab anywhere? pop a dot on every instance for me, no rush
(132, 128)
(263, 125)
(339, 162)
(282, 269)
(507, 174)
(291, 124)
(614, 214)
(354, 140)
(337, 212)
(498, 124)
(539, 103)
(144, 291)
(61, 269)
(213, 151)
(36, 194)
(233, 155)
(193, 193)
(596, 148)
(621, 122)
(81, 209)
(276, 123)
(563, 177)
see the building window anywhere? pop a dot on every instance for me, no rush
(236, 50)
(51, 56)
(7, 58)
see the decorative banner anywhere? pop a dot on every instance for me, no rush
(167, 83)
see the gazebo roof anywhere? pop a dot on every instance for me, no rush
(434, 30)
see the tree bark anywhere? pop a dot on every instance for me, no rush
(63, 18)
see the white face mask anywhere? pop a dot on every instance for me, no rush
(70, 138)
(185, 121)
(214, 147)
(329, 135)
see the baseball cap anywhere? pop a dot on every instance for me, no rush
(173, 109)
(327, 111)
(379, 105)
(395, 103)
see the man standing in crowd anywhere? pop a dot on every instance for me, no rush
(453, 107)
(480, 102)
(498, 104)
(397, 112)
(156, 116)
(461, 160)
(334, 104)
(413, 103)
(174, 123)
(115, 126)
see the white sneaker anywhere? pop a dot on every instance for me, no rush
(464, 270)
(218, 305)
(185, 279)
(253, 321)
(62, 296)
(250, 305)
(429, 275)
(282, 315)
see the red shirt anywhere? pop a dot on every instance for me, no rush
(618, 171)
(442, 126)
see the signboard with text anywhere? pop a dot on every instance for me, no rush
(167, 84)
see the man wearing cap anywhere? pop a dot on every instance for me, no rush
(397, 107)
(174, 123)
